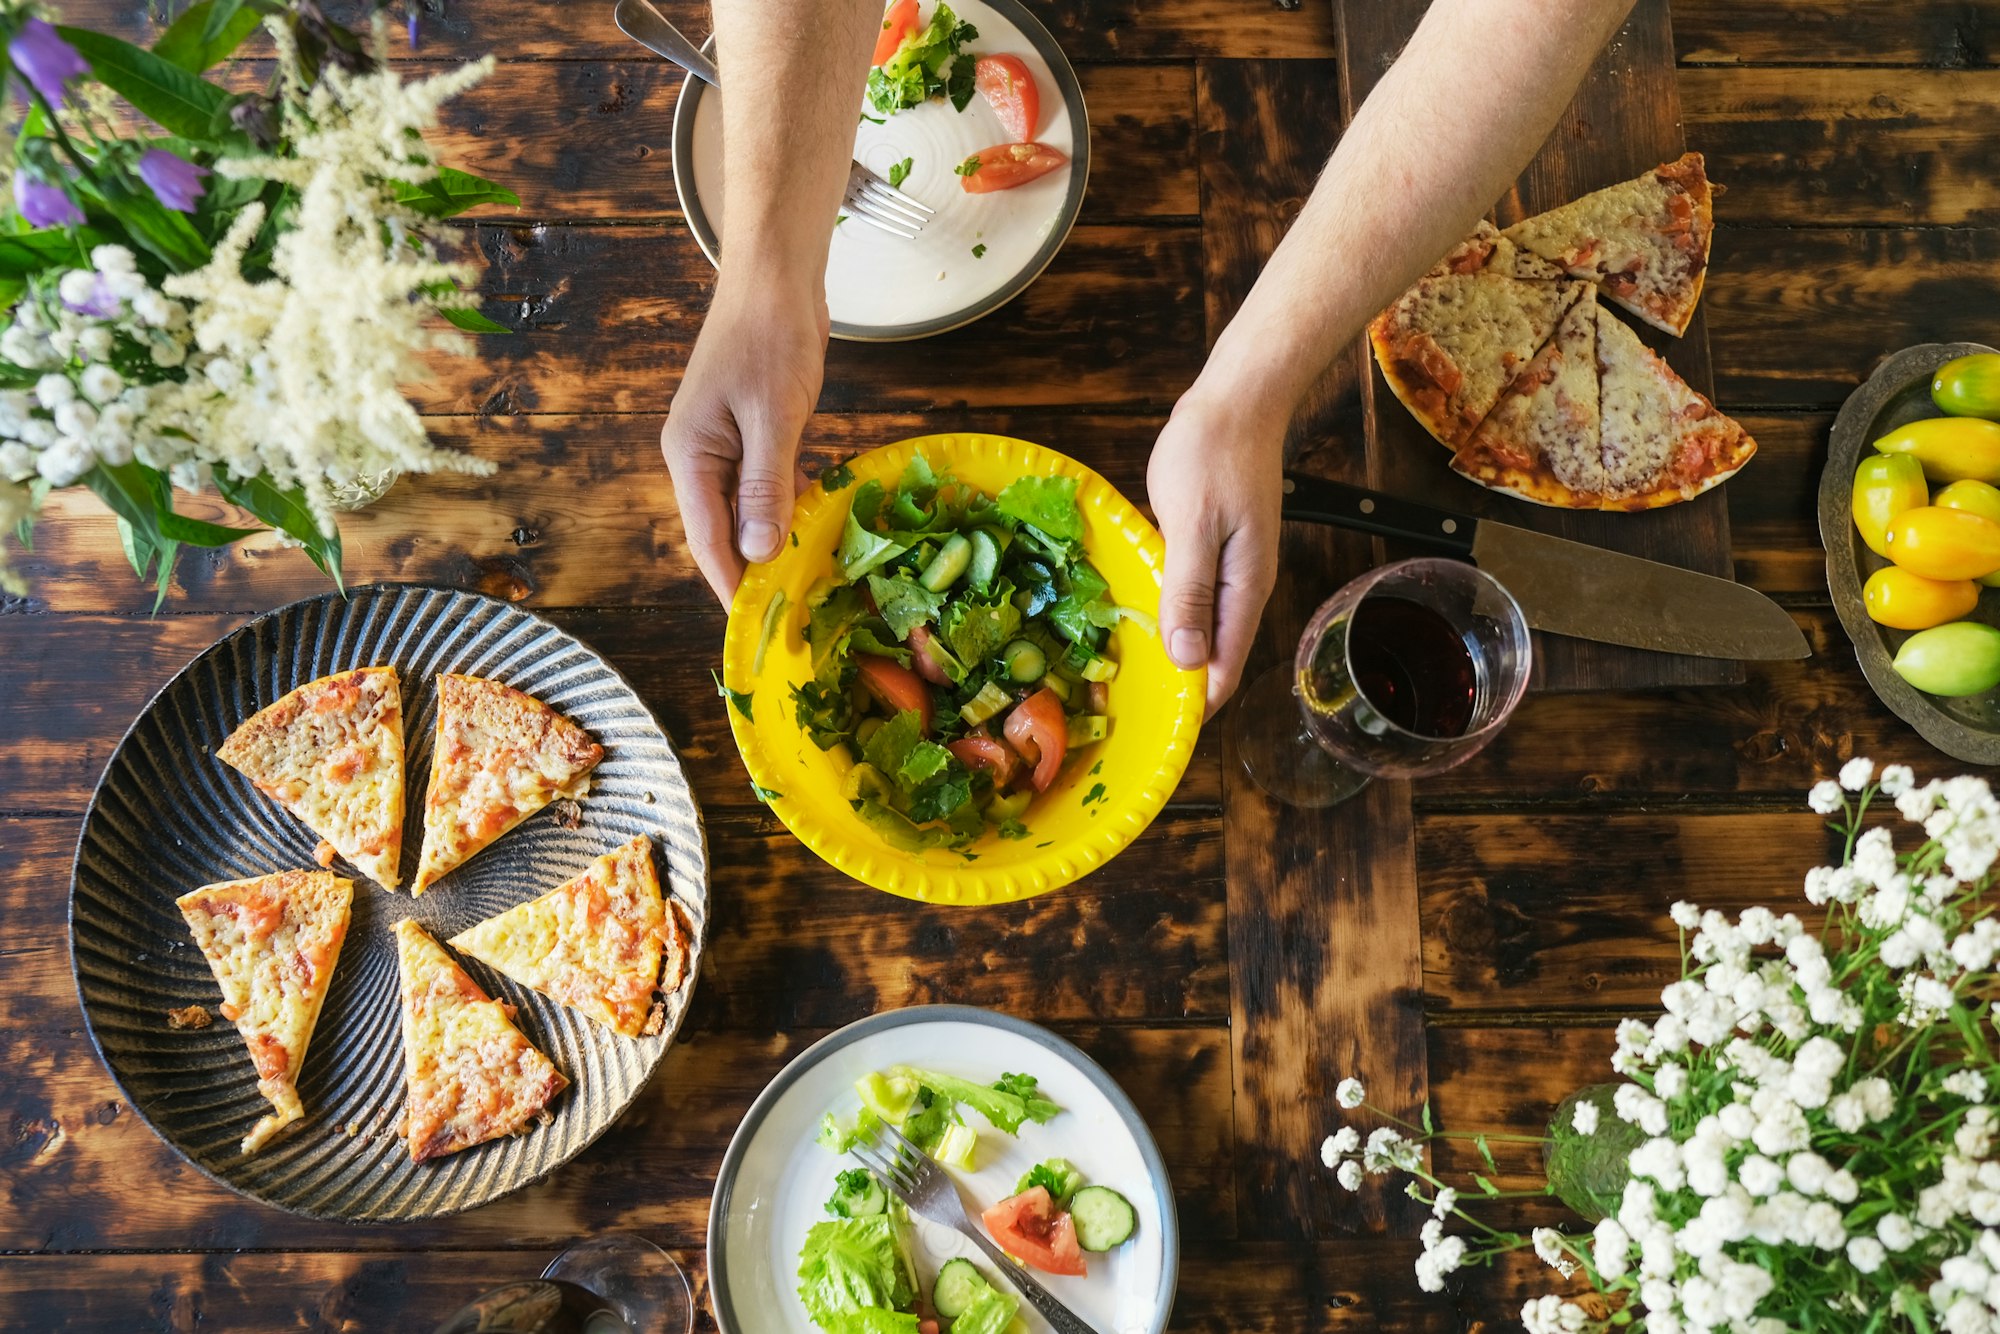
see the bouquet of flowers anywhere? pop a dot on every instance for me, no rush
(222, 289)
(1804, 1139)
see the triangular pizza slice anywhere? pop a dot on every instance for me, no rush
(1662, 442)
(471, 1076)
(1644, 241)
(331, 753)
(593, 943)
(1541, 442)
(499, 756)
(272, 943)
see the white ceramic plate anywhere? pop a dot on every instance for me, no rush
(882, 288)
(775, 1179)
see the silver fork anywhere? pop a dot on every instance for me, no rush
(869, 196)
(913, 1177)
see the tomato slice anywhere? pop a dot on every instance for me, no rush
(1039, 731)
(1029, 1227)
(927, 667)
(983, 752)
(1005, 166)
(895, 685)
(897, 23)
(1008, 87)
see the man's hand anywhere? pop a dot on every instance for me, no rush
(1216, 483)
(732, 434)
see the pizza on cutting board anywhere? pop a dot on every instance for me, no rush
(499, 756)
(272, 942)
(331, 753)
(1505, 355)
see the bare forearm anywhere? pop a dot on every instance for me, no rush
(1446, 131)
(794, 75)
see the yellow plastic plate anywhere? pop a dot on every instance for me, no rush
(1106, 795)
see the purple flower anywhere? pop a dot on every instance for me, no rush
(45, 59)
(175, 180)
(44, 205)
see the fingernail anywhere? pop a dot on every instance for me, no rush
(760, 539)
(1189, 647)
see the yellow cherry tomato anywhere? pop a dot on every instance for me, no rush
(1941, 543)
(1980, 499)
(1969, 386)
(1904, 601)
(1950, 449)
(1884, 486)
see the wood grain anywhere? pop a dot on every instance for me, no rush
(1951, 33)
(1774, 507)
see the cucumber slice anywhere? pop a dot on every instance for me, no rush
(985, 559)
(1104, 1218)
(1010, 807)
(857, 1194)
(865, 730)
(958, 1284)
(949, 563)
(982, 706)
(862, 782)
(1025, 662)
(774, 615)
(1085, 728)
(1099, 669)
(1062, 688)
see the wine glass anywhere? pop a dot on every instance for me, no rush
(1408, 670)
(616, 1284)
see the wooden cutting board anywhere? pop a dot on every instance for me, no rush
(1625, 120)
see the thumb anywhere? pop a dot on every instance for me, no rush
(764, 487)
(1187, 595)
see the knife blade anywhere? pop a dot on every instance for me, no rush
(1572, 588)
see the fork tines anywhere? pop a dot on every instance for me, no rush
(879, 204)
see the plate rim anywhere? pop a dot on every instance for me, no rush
(716, 1242)
(1051, 51)
(1845, 446)
(96, 796)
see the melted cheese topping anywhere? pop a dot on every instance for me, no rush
(331, 753)
(499, 756)
(593, 943)
(272, 943)
(1548, 420)
(471, 1075)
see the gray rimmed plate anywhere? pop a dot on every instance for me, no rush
(881, 288)
(775, 1179)
(168, 817)
(1895, 395)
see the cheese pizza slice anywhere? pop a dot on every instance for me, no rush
(272, 943)
(1644, 241)
(331, 753)
(471, 1076)
(1541, 442)
(1662, 442)
(593, 943)
(499, 756)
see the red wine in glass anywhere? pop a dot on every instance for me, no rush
(1413, 666)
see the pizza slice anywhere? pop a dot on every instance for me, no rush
(1450, 345)
(593, 943)
(331, 753)
(1541, 442)
(1644, 241)
(499, 756)
(1662, 442)
(272, 942)
(472, 1077)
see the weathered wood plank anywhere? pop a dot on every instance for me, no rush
(1546, 913)
(1822, 147)
(1773, 507)
(1800, 316)
(1951, 33)
(583, 29)
(74, 683)
(83, 1172)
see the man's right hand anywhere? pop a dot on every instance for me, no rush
(732, 432)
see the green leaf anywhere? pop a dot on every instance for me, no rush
(1096, 793)
(1484, 1184)
(837, 478)
(1426, 1117)
(1485, 1151)
(150, 224)
(1049, 503)
(177, 101)
(288, 512)
(470, 320)
(199, 532)
(900, 171)
(451, 192)
(31, 252)
(740, 699)
(905, 603)
(17, 377)
(206, 34)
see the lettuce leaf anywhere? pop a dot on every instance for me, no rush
(905, 604)
(1007, 1102)
(851, 1266)
(917, 70)
(862, 550)
(1045, 503)
(976, 631)
(990, 1313)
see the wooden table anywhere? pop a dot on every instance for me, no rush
(1471, 941)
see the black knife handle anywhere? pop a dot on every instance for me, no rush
(1316, 500)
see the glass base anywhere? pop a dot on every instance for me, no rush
(647, 1286)
(1278, 754)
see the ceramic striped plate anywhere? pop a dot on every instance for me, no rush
(168, 817)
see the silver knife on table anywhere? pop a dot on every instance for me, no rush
(1572, 588)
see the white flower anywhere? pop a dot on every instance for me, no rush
(94, 343)
(1349, 1093)
(1549, 1249)
(1669, 1081)
(1328, 1154)
(1446, 1201)
(53, 390)
(17, 462)
(111, 259)
(1349, 1175)
(1611, 1248)
(76, 418)
(1897, 779)
(1854, 774)
(1685, 915)
(77, 287)
(1584, 1118)
(1659, 1159)
(1841, 1187)
(1824, 799)
(1553, 1315)
(1895, 1232)
(65, 462)
(1338, 1145)
(189, 475)
(100, 384)
(1633, 1104)
(1967, 1084)
(1808, 1173)
(1866, 1254)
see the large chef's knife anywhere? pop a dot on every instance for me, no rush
(1572, 588)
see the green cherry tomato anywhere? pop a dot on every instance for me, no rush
(1884, 486)
(1969, 386)
(1962, 658)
